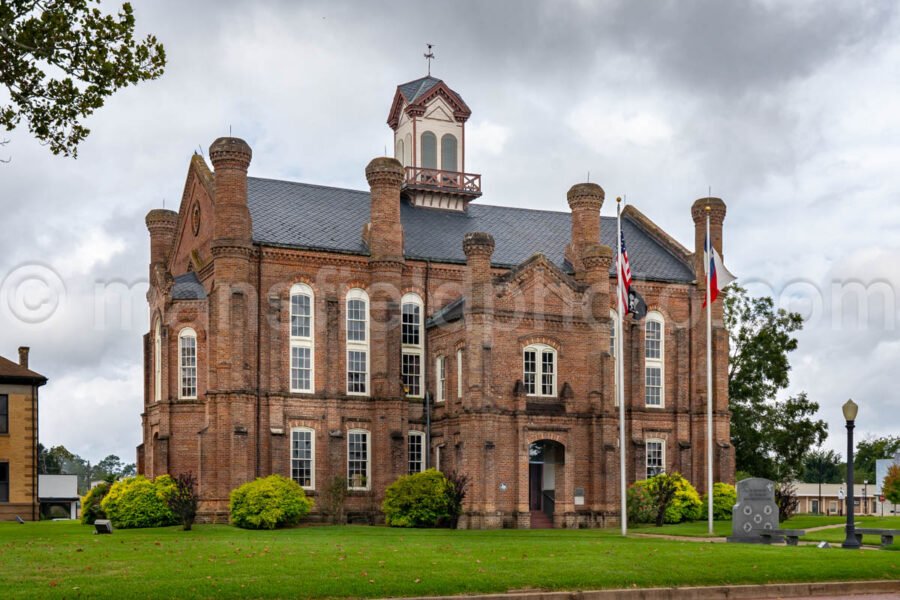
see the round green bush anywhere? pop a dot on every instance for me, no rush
(685, 506)
(641, 508)
(724, 499)
(419, 500)
(138, 502)
(90, 504)
(268, 502)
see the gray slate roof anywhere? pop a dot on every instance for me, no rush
(188, 287)
(302, 215)
(413, 89)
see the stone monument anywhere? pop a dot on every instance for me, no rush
(755, 510)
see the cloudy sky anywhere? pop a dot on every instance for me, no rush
(788, 110)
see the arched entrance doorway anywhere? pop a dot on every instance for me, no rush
(545, 463)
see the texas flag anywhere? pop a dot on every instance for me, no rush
(719, 276)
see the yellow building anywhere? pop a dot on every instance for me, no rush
(19, 438)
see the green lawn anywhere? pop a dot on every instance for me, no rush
(839, 534)
(63, 559)
(723, 528)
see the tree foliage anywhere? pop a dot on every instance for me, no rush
(459, 485)
(770, 436)
(891, 486)
(61, 59)
(663, 498)
(60, 461)
(90, 503)
(786, 500)
(822, 466)
(184, 500)
(870, 450)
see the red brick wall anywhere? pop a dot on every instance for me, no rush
(231, 434)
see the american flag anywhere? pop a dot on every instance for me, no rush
(624, 274)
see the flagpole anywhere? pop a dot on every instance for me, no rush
(619, 361)
(709, 379)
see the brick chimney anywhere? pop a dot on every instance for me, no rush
(231, 159)
(585, 202)
(716, 219)
(385, 233)
(597, 259)
(479, 319)
(161, 224)
(23, 356)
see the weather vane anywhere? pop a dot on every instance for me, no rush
(429, 56)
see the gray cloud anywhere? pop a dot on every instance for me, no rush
(785, 109)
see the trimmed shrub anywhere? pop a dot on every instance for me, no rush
(138, 502)
(643, 500)
(90, 504)
(686, 506)
(420, 500)
(268, 502)
(641, 507)
(724, 499)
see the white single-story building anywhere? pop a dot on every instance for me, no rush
(59, 490)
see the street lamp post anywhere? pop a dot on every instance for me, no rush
(865, 501)
(850, 409)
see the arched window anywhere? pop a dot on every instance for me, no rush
(654, 360)
(187, 361)
(359, 465)
(429, 150)
(412, 340)
(440, 371)
(398, 153)
(157, 361)
(407, 149)
(415, 443)
(448, 152)
(357, 342)
(303, 457)
(539, 370)
(302, 342)
(656, 457)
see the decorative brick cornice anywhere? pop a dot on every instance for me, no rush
(478, 243)
(384, 171)
(230, 153)
(231, 249)
(597, 256)
(716, 206)
(161, 219)
(585, 195)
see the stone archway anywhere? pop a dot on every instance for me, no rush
(546, 460)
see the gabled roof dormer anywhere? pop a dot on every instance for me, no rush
(429, 123)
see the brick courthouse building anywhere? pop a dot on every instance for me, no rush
(307, 331)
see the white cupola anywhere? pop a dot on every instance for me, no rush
(429, 123)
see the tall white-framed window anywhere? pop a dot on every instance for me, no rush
(359, 464)
(157, 361)
(440, 371)
(614, 353)
(412, 364)
(303, 457)
(302, 338)
(357, 342)
(656, 457)
(539, 369)
(459, 374)
(654, 360)
(187, 361)
(415, 445)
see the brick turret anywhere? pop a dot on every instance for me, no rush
(585, 201)
(385, 234)
(231, 159)
(478, 248)
(161, 224)
(717, 211)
